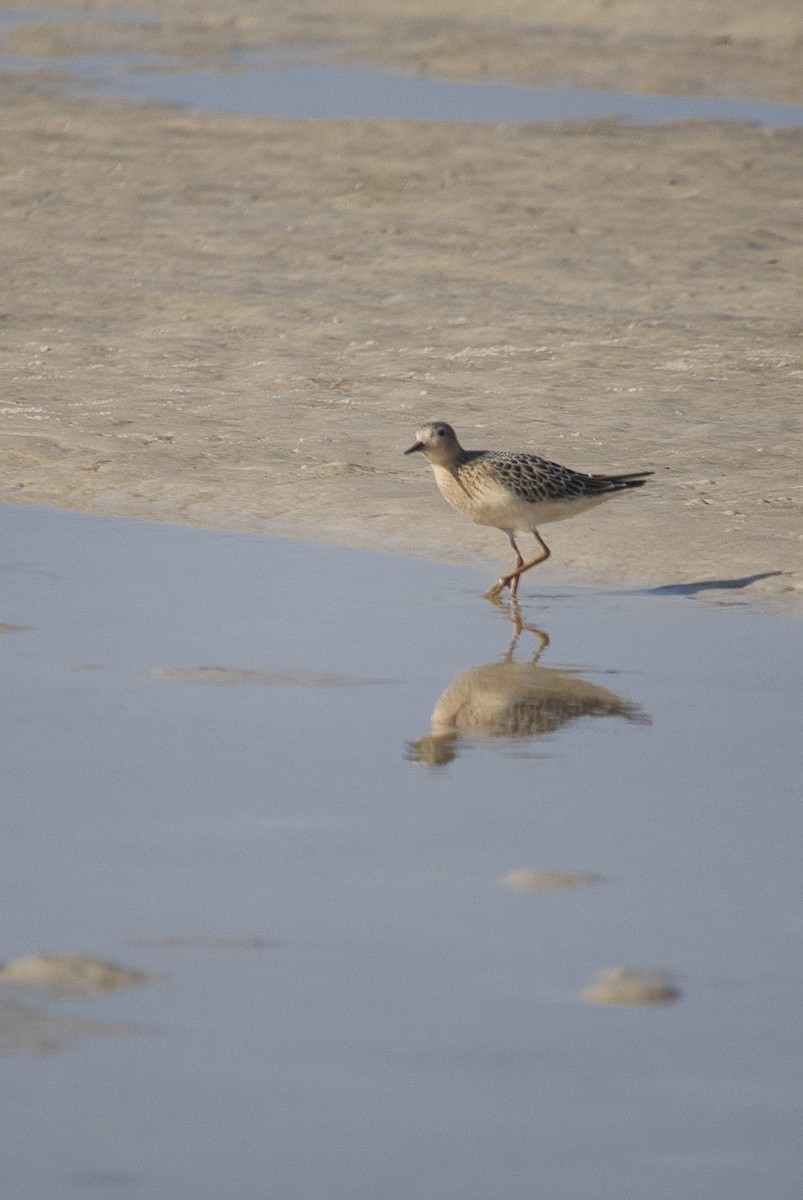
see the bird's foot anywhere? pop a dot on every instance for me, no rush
(496, 591)
(507, 581)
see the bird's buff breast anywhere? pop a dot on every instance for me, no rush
(481, 505)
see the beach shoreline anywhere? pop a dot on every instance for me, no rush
(239, 322)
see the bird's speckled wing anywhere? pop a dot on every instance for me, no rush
(529, 477)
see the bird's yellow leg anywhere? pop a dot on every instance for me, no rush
(512, 580)
(499, 587)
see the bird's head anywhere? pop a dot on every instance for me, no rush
(437, 441)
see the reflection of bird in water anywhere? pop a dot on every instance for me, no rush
(510, 699)
(512, 490)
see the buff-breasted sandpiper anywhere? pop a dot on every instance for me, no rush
(512, 490)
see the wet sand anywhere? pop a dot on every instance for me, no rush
(239, 322)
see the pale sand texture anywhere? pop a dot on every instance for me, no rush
(240, 322)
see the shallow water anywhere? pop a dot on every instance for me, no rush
(302, 82)
(275, 85)
(354, 1003)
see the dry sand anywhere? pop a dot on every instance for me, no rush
(239, 322)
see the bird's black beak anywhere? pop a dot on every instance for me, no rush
(417, 446)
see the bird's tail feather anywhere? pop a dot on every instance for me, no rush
(631, 480)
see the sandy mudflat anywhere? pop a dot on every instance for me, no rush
(239, 322)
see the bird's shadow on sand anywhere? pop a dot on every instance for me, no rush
(703, 585)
